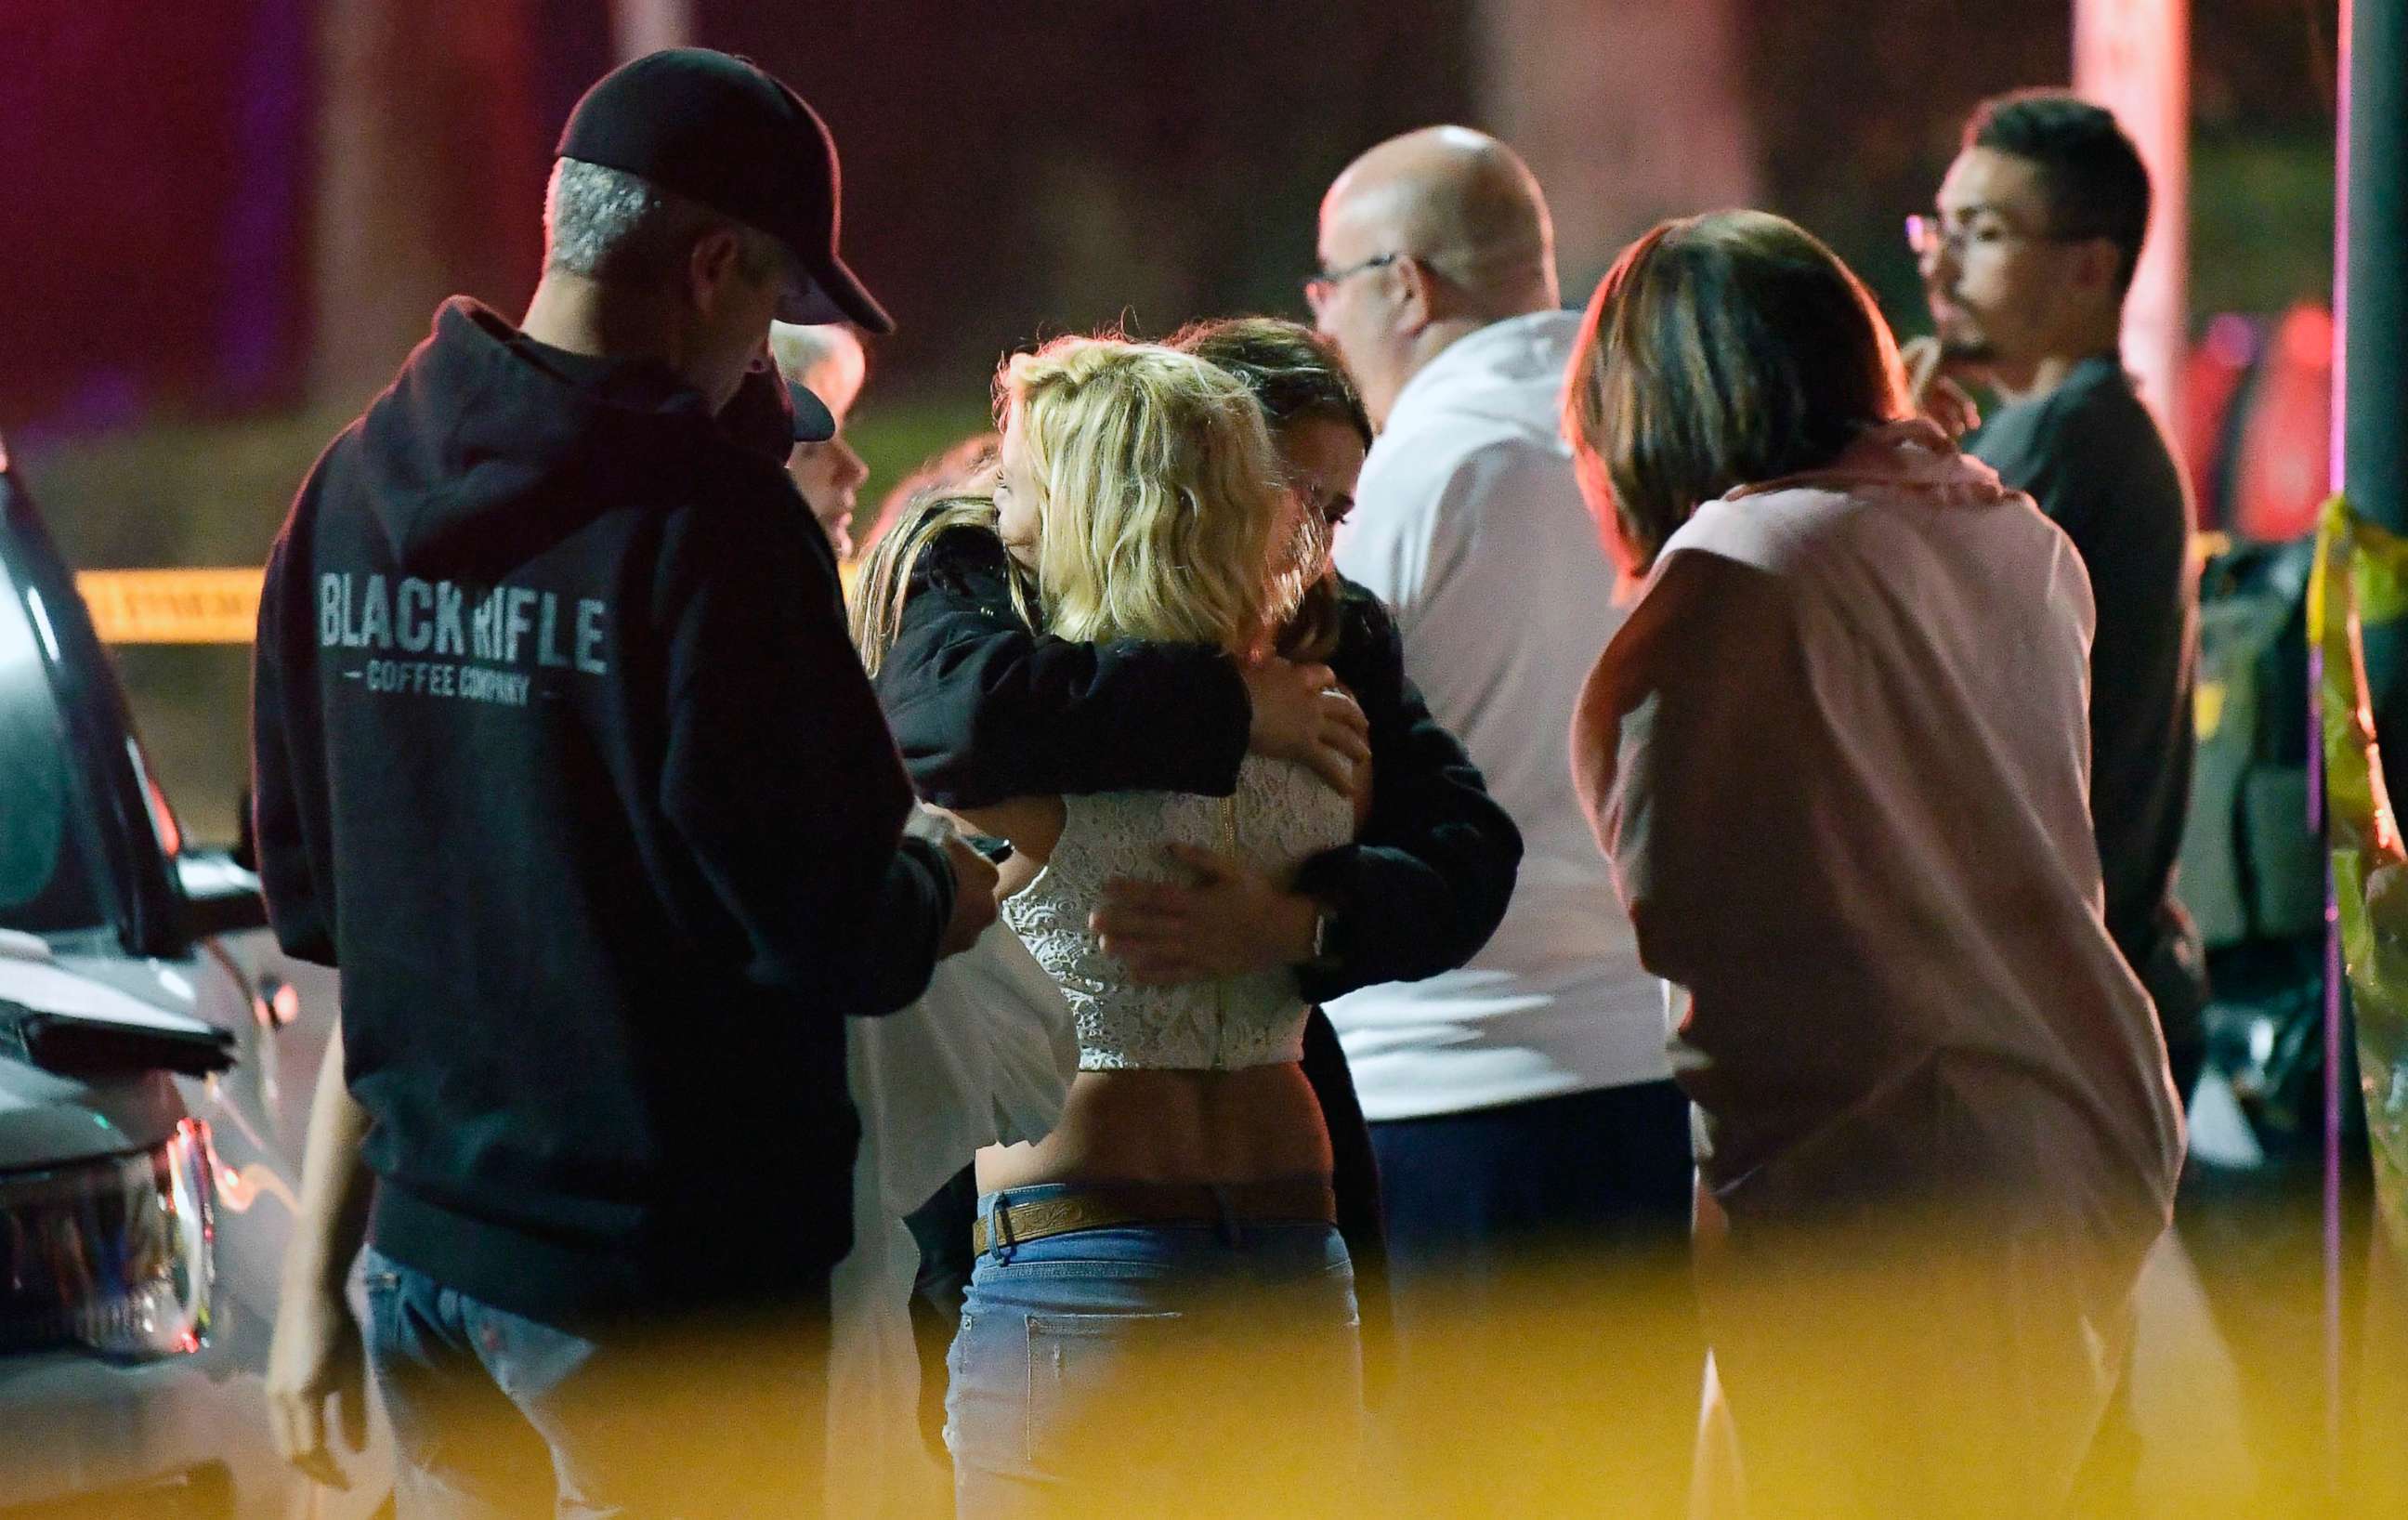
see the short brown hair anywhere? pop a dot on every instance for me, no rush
(1294, 372)
(1720, 350)
(2090, 174)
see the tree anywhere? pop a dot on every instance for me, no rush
(431, 164)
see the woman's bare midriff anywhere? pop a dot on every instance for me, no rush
(1259, 1123)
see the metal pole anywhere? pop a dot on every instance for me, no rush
(2371, 307)
(2370, 371)
(2370, 448)
(2371, 417)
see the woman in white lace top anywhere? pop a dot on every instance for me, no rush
(1160, 1294)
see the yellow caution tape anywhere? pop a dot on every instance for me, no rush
(2360, 577)
(172, 607)
(198, 607)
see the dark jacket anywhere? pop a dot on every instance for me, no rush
(2094, 458)
(984, 709)
(563, 755)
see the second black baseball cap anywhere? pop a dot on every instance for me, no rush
(722, 131)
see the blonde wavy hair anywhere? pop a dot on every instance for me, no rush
(1162, 509)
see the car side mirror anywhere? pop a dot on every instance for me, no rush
(220, 895)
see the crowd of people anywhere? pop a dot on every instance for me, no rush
(1307, 845)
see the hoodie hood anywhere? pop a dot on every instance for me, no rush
(475, 456)
(1912, 456)
(1911, 465)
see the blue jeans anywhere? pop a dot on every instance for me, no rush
(1475, 1194)
(1539, 1258)
(496, 1414)
(1157, 1369)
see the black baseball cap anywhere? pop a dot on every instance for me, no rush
(813, 421)
(722, 131)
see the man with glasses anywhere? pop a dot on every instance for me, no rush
(1525, 1101)
(2027, 259)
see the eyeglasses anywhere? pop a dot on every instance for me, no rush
(1931, 236)
(1318, 290)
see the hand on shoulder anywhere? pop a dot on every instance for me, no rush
(1938, 393)
(1300, 713)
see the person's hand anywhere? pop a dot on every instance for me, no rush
(1227, 920)
(974, 898)
(1301, 714)
(1936, 393)
(315, 1356)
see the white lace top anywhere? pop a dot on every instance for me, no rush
(1279, 814)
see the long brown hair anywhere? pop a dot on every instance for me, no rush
(1719, 351)
(1295, 375)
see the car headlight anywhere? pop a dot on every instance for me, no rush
(115, 1255)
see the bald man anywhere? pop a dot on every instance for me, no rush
(1525, 1099)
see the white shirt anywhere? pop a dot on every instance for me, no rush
(1279, 814)
(1470, 525)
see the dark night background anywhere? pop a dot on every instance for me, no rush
(227, 219)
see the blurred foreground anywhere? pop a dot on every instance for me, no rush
(1544, 1396)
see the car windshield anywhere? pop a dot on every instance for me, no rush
(46, 879)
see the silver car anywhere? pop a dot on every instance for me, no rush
(157, 1053)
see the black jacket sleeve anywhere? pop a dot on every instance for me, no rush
(782, 779)
(284, 698)
(1430, 878)
(984, 709)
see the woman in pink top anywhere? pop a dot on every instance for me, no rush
(1839, 757)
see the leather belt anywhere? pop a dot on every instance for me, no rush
(1103, 1206)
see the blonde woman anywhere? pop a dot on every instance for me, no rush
(965, 674)
(1160, 1296)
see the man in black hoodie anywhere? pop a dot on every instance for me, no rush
(563, 755)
